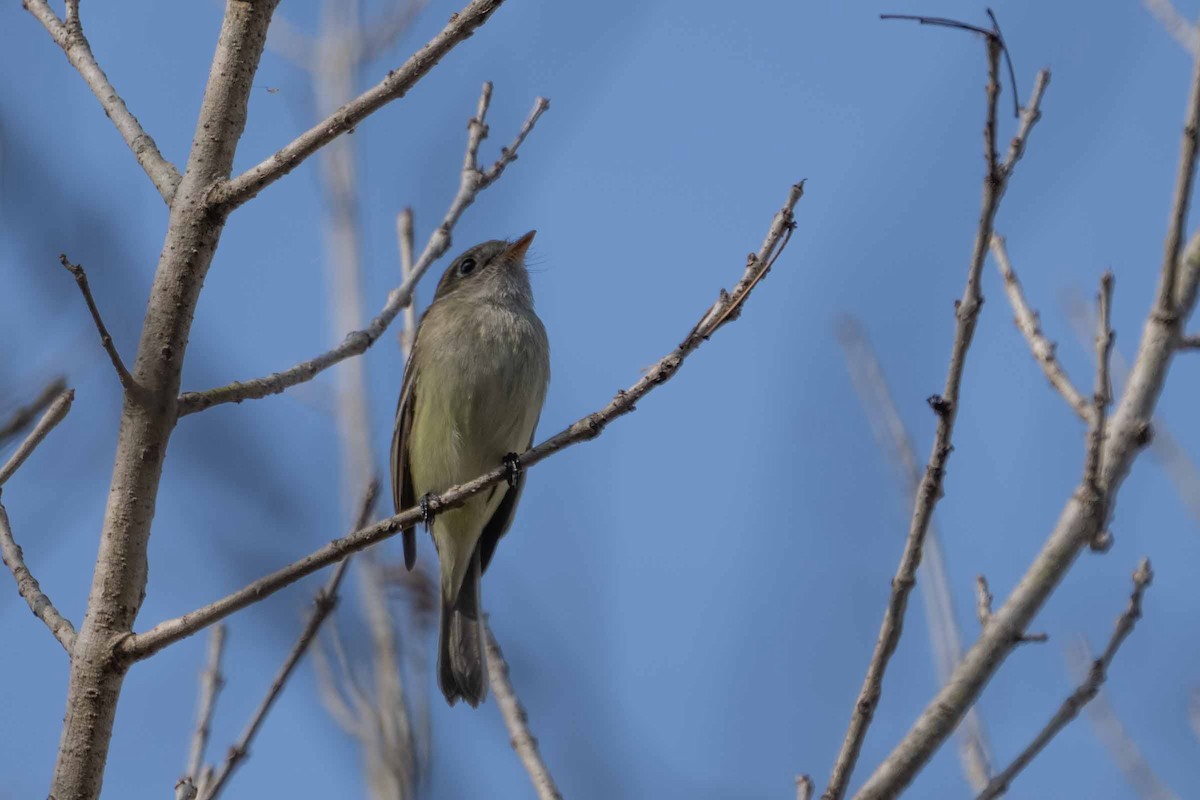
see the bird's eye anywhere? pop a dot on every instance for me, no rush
(467, 266)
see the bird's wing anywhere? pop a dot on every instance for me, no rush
(502, 518)
(402, 486)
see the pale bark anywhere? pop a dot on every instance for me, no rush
(148, 416)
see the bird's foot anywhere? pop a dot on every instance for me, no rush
(426, 514)
(512, 462)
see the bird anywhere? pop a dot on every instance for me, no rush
(470, 400)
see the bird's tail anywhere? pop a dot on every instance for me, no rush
(462, 666)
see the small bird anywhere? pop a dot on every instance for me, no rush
(470, 400)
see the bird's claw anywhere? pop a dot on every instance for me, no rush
(426, 514)
(512, 462)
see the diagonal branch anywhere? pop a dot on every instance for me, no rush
(517, 722)
(1166, 307)
(1027, 321)
(235, 191)
(1095, 491)
(1082, 695)
(211, 682)
(50, 419)
(1111, 732)
(69, 36)
(323, 605)
(473, 181)
(726, 307)
(29, 588)
(1175, 24)
(945, 406)
(894, 440)
(105, 339)
(24, 415)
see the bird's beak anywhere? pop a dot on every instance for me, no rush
(517, 249)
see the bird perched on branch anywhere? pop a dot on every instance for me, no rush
(470, 400)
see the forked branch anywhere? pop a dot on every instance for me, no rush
(236, 191)
(69, 36)
(1084, 693)
(473, 181)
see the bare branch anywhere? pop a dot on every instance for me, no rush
(893, 438)
(234, 192)
(473, 181)
(804, 787)
(1164, 447)
(29, 588)
(983, 604)
(1027, 321)
(946, 408)
(26, 414)
(1082, 695)
(323, 604)
(404, 237)
(105, 339)
(118, 586)
(1112, 734)
(1101, 398)
(517, 722)
(1167, 299)
(49, 420)
(211, 681)
(1190, 342)
(69, 36)
(589, 427)
(1077, 526)
(1176, 25)
(185, 789)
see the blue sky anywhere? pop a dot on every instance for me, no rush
(688, 603)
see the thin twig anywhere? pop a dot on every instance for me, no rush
(1112, 733)
(1190, 342)
(105, 339)
(473, 181)
(1175, 24)
(983, 602)
(1164, 446)
(29, 588)
(942, 621)
(49, 420)
(589, 427)
(1082, 695)
(983, 611)
(26, 414)
(1167, 300)
(404, 237)
(1097, 430)
(804, 787)
(946, 408)
(517, 722)
(1027, 321)
(323, 604)
(234, 192)
(211, 682)
(69, 36)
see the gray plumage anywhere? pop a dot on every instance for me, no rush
(472, 393)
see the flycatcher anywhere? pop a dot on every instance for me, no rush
(470, 400)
